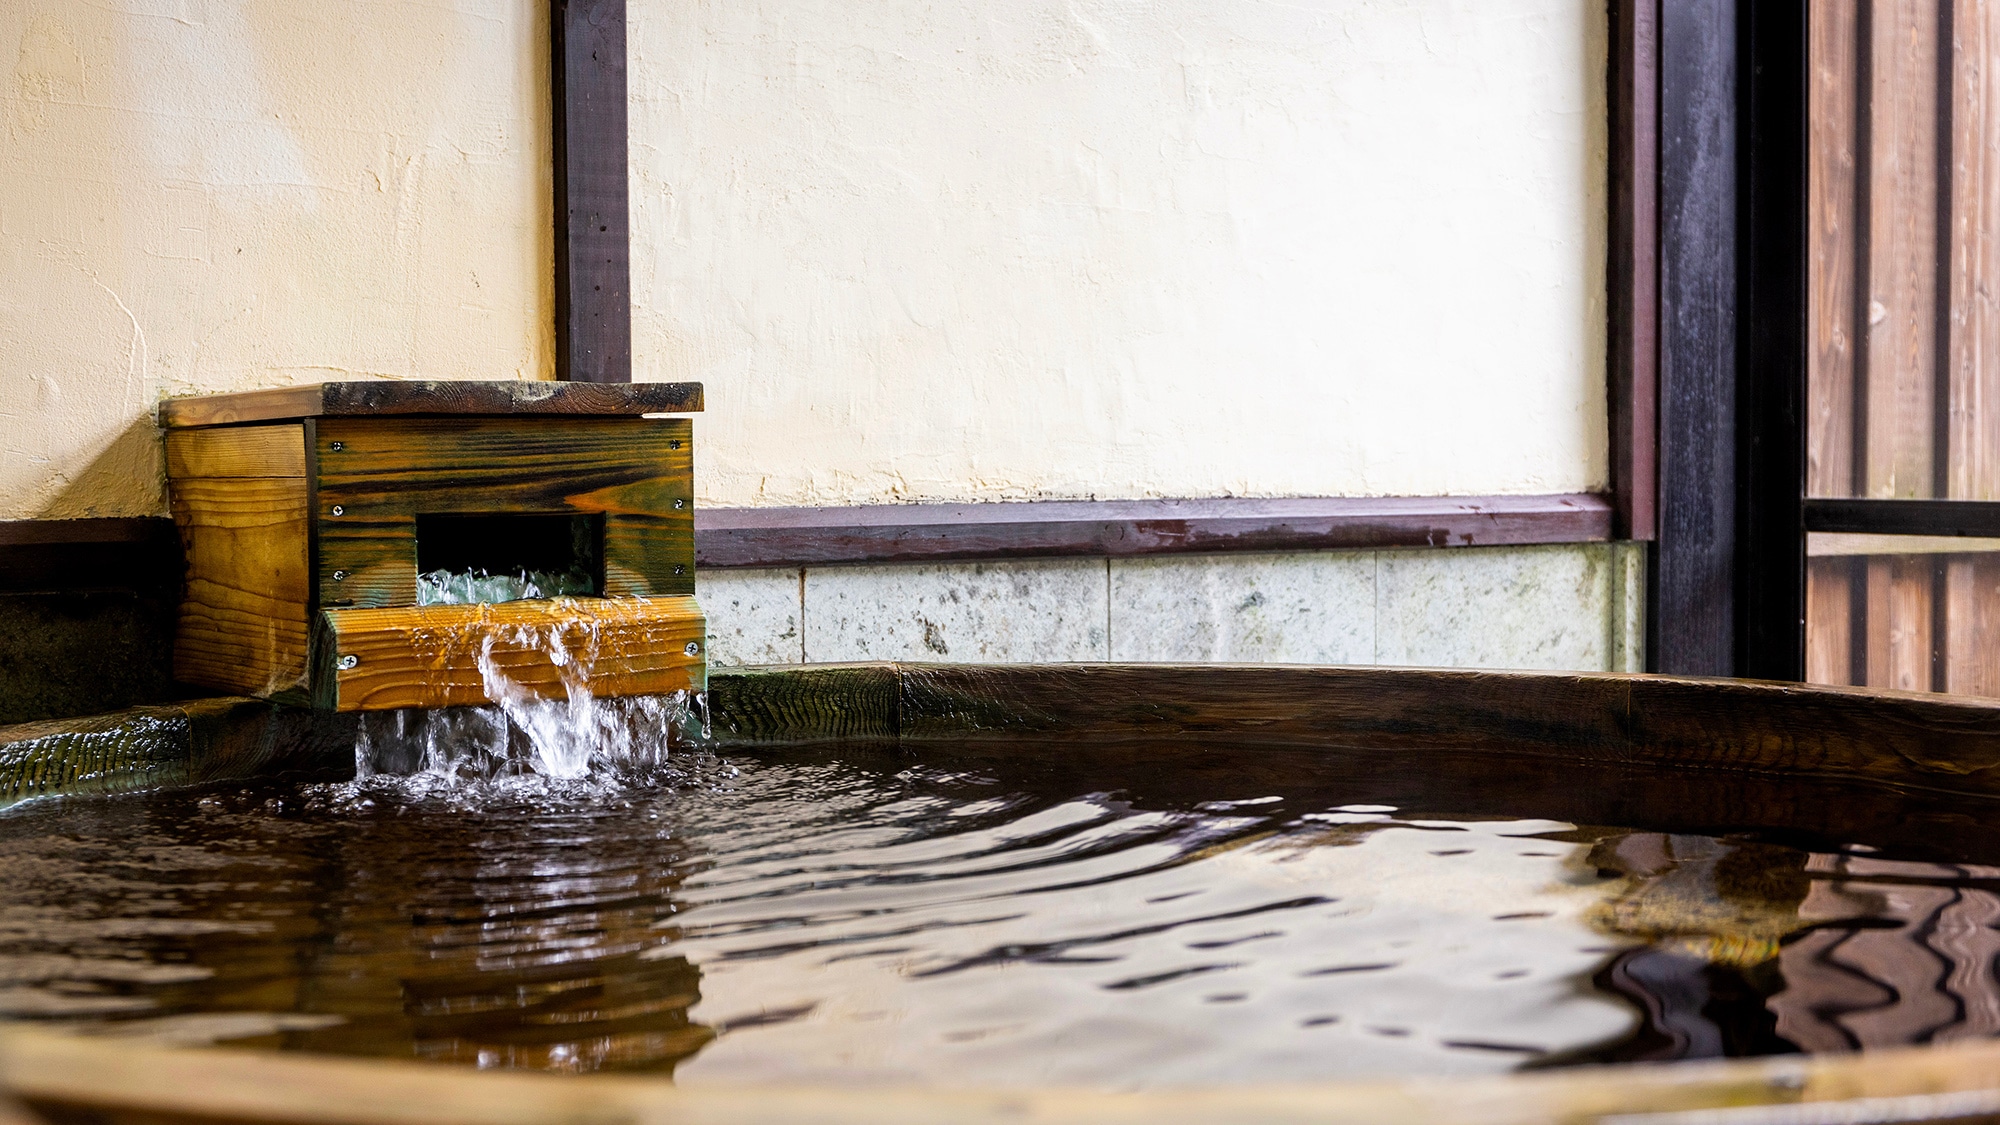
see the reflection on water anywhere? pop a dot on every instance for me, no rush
(1214, 916)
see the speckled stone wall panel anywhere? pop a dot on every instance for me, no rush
(1502, 607)
(1010, 612)
(1308, 607)
(81, 654)
(753, 616)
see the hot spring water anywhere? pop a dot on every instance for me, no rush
(568, 885)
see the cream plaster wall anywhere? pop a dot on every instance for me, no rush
(1017, 249)
(201, 195)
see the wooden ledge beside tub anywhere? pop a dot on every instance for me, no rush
(306, 514)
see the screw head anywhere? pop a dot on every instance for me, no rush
(337, 447)
(679, 569)
(340, 576)
(349, 661)
(339, 511)
(673, 445)
(692, 648)
(679, 504)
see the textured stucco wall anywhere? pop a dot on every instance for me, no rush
(918, 249)
(204, 195)
(947, 249)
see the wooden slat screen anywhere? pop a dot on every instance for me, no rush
(1904, 310)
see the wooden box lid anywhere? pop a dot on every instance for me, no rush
(430, 396)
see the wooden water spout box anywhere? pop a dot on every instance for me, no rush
(307, 514)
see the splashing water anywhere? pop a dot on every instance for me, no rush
(451, 587)
(573, 738)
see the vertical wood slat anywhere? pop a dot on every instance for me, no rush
(1899, 622)
(1902, 264)
(1829, 646)
(1972, 599)
(592, 206)
(1974, 436)
(1832, 240)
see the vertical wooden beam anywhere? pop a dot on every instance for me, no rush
(593, 234)
(1693, 607)
(1777, 331)
(1634, 266)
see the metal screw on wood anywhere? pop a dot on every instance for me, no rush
(692, 648)
(349, 661)
(337, 447)
(680, 569)
(679, 504)
(339, 511)
(673, 445)
(340, 576)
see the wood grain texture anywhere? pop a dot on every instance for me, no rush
(1693, 608)
(1973, 443)
(430, 396)
(762, 537)
(592, 205)
(124, 1081)
(1829, 619)
(242, 625)
(427, 656)
(1900, 622)
(237, 451)
(387, 471)
(1902, 266)
(1832, 235)
(1939, 742)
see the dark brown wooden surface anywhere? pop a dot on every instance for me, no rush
(744, 537)
(1936, 742)
(71, 556)
(427, 656)
(443, 397)
(1693, 605)
(593, 239)
(387, 471)
(1634, 266)
(243, 522)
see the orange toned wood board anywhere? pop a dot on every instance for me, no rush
(240, 503)
(430, 656)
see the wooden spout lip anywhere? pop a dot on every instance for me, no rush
(429, 656)
(431, 396)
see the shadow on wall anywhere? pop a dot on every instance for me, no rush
(133, 464)
(88, 626)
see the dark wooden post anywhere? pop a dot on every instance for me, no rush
(593, 230)
(1694, 572)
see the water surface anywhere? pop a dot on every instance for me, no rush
(1141, 917)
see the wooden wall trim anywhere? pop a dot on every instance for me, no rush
(592, 210)
(78, 556)
(892, 533)
(1633, 277)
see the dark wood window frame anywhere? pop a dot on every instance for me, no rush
(1728, 576)
(1734, 128)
